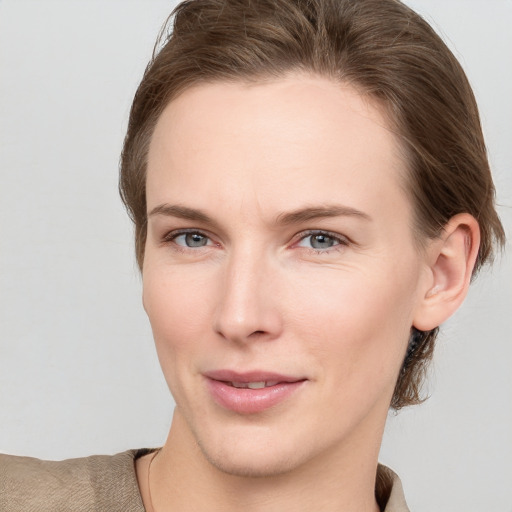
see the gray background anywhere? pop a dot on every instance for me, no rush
(78, 373)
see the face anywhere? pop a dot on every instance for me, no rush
(280, 273)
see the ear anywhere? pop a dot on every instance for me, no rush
(451, 259)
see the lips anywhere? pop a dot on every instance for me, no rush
(251, 392)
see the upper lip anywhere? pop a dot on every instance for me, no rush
(250, 376)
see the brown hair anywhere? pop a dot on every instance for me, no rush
(382, 48)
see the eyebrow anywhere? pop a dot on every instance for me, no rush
(182, 212)
(318, 212)
(283, 219)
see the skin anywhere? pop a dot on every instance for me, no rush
(263, 294)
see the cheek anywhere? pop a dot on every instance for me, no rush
(357, 318)
(176, 304)
(357, 339)
(178, 309)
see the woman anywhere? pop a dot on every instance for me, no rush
(311, 198)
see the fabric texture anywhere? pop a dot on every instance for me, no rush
(107, 483)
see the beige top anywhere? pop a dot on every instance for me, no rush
(108, 483)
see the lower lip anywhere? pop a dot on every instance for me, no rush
(251, 401)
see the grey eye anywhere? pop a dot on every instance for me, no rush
(191, 240)
(321, 241)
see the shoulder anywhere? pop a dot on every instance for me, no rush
(389, 491)
(99, 482)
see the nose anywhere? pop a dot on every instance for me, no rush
(248, 305)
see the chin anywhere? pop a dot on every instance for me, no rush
(264, 463)
(251, 450)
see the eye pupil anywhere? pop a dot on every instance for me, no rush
(195, 240)
(321, 241)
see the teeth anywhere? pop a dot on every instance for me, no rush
(254, 385)
(239, 384)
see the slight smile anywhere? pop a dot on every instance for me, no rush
(250, 392)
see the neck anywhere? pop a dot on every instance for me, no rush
(182, 479)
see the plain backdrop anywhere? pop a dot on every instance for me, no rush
(78, 372)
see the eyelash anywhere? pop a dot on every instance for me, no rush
(340, 240)
(170, 238)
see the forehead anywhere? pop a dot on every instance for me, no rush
(274, 142)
